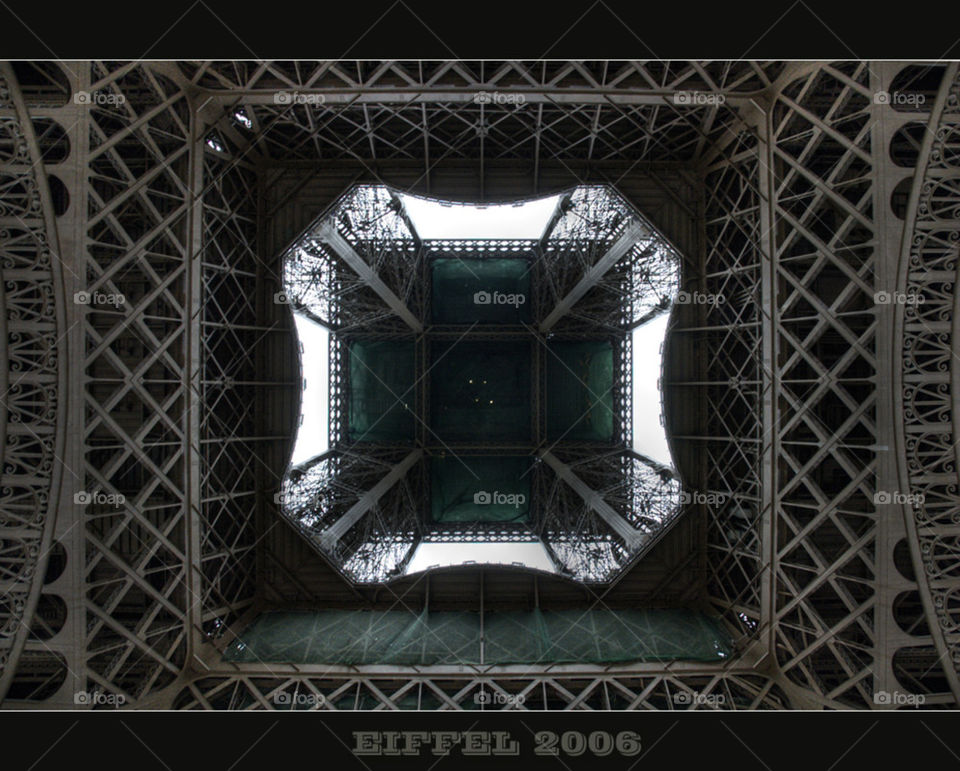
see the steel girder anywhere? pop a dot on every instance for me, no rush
(32, 387)
(925, 377)
(797, 234)
(595, 690)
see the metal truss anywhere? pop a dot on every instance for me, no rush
(930, 662)
(32, 392)
(824, 271)
(729, 473)
(360, 508)
(356, 269)
(437, 111)
(603, 266)
(605, 270)
(809, 400)
(585, 690)
(603, 510)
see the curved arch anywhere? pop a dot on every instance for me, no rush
(921, 527)
(32, 312)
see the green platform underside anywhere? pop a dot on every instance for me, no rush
(403, 638)
(456, 283)
(380, 372)
(480, 392)
(579, 392)
(488, 488)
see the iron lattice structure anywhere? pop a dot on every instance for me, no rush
(364, 272)
(821, 435)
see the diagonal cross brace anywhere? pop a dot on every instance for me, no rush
(330, 536)
(631, 536)
(620, 247)
(345, 251)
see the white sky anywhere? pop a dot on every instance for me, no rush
(532, 555)
(437, 220)
(649, 437)
(526, 220)
(313, 437)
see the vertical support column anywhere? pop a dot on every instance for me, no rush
(702, 365)
(32, 481)
(265, 407)
(71, 528)
(769, 440)
(931, 474)
(193, 388)
(890, 521)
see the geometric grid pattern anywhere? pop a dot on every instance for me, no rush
(31, 386)
(593, 233)
(926, 391)
(833, 594)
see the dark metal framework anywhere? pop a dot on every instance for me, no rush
(597, 271)
(822, 442)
